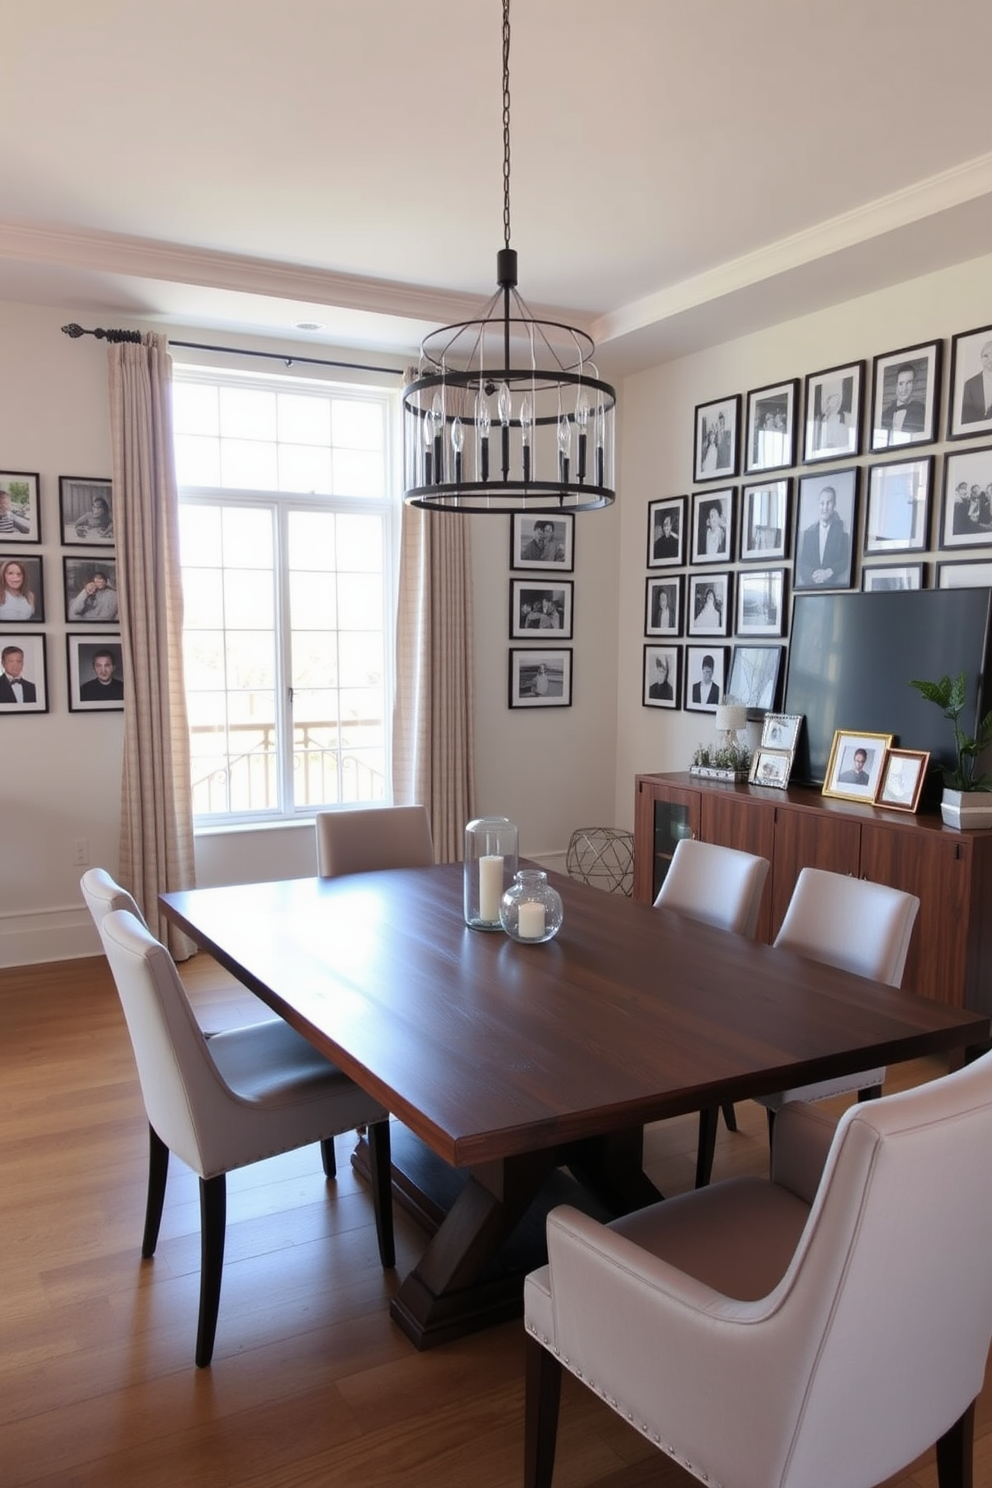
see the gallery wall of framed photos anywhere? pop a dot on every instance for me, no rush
(542, 551)
(825, 480)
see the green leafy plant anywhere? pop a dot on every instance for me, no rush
(949, 696)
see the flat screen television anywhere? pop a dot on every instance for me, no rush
(851, 659)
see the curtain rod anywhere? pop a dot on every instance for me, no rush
(75, 331)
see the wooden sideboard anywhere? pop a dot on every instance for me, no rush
(950, 957)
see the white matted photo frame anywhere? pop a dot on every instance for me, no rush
(905, 395)
(705, 677)
(662, 684)
(964, 575)
(761, 602)
(717, 439)
(855, 765)
(771, 768)
(86, 511)
(95, 669)
(713, 526)
(754, 677)
(663, 605)
(834, 402)
(540, 679)
(781, 731)
(709, 609)
(542, 541)
(23, 674)
(891, 577)
(667, 532)
(970, 412)
(901, 782)
(771, 427)
(539, 607)
(22, 592)
(966, 507)
(764, 521)
(773, 759)
(898, 515)
(826, 519)
(20, 510)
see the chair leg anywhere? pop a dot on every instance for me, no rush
(380, 1163)
(213, 1222)
(955, 1452)
(730, 1117)
(771, 1124)
(327, 1157)
(543, 1395)
(707, 1146)
(158, 1172)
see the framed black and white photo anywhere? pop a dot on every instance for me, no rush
(834, 400)
(709, 607)
(970, 413)
(825, 522)
(95, 667)
(540, 606)
(855, 765)
(904, 396)
(964, 575)
(713, 526)
(662, 677)
(705, 674)
(20, 515)
(717, 436)
(541, 679)
(754, 677)
(898, 517)
(891, 577)
(765, 521)
(90, 586)
(966, 509)
(666, 532)
(86, 507)
(761, 598)
(771, 427)
(663, 606)
(22, 595)
(23, 676)
(542, 541)
(901, 781)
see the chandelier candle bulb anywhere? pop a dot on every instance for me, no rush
(490, 887)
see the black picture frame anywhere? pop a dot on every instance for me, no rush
(540, 679)
(17, 594)
(892, 577)
(762, 596)
(663, 600)
(771, 427)
(34, 673)
(906, 384)
(755, 678)
(831, 569)
(713, 538)
(897, 518)
(766, 509)
(90, 689)
(662, 677)
(717, 439)
(970, 413)
(20, 512)
(966, 504)
(82, 608)
(834, 404)
(710, 606)
(557, 547)
(700, 695)
(541, 608)
(667, 545)
(86, 511)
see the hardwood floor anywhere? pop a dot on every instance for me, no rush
(311, 1383)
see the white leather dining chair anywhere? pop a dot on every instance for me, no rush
(373, 837)
(822, 1327)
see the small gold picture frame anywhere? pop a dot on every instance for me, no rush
(855, 767)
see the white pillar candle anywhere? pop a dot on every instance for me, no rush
(490, 887)
(530, 921)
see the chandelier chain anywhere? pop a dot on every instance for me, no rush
(506, 123)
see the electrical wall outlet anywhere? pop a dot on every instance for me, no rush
(80, 852)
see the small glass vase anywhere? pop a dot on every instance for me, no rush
(490, 863)
(531, 911)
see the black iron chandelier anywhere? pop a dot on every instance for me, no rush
(507, 413)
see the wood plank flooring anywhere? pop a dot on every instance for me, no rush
(311, 1383)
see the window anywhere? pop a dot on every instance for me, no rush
(286, 527)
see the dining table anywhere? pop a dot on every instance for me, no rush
(521, 1074)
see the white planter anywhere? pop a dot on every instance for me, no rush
(964, 809)
(712, 772)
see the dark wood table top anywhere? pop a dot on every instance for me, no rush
(488, 1049)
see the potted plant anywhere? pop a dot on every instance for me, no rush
(721, 761)
(967, 801)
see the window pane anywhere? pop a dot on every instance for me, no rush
(248, 598)
(248, 538)
(360, 543)
(199, 534)
(303, 468)
(195, 408)
(249, 465)
(312, 541)
(357, 425)
(358, 474)
(304, 420)
(313, 601)
(247, 413)
(197, 460)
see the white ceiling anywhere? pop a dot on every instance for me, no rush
(681, 172)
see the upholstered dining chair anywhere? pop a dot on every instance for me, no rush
(855, 924)
(373, 837)
(219, 1104)
(722, 887)
(823, 1326)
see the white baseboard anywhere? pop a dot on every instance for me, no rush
(47, 935)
